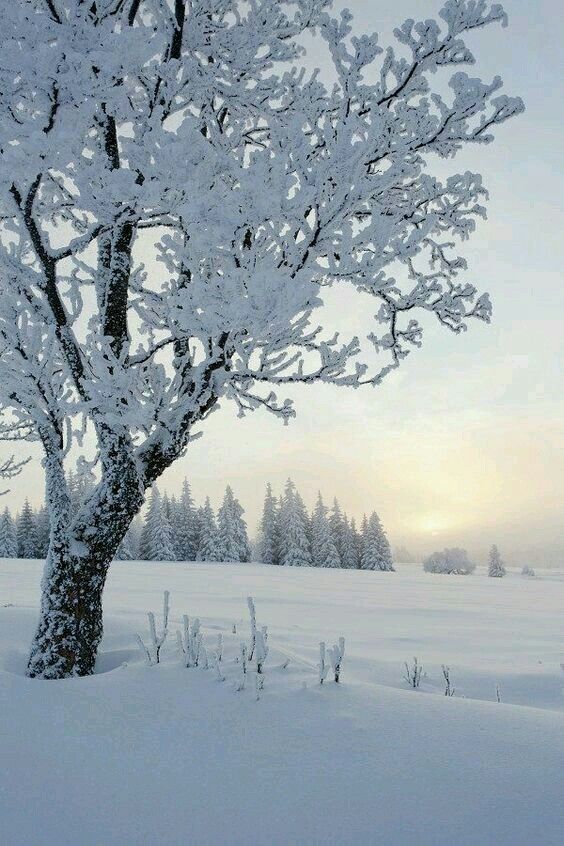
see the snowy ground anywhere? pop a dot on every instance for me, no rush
(165, 755)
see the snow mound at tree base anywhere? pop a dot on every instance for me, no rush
(168, 755)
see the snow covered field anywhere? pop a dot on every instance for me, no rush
(168, 755)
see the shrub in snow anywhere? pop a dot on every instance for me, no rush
(496, 568)
(258, 648)
(152, 653)
(261, 649)
(323, 666)
(190, 641)
(336, 656)
(216, 665)
(449, 687)
(528, 572)
(413, 673)
(203, 660)
(242, 666)
(252, 612)
(452, 561)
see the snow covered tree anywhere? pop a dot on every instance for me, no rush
(268, 540)
(81, 483)
(358, 541)
(232, 539)
(452, 561)
(208, 541)
(167, 505)
(496, 568)
(351, 557)
(278, 529)
(126, 549)
(8, 536)
(336, 526)
(294, 542)
(376, 552)
(27, 533)
(43, 529)
(386, 558)
(323, 550)
(187, 128)
(157, 540)
(185, 525)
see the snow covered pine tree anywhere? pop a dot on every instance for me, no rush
(186, 134)
(496, 567)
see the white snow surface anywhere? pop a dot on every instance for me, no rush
(169, 755)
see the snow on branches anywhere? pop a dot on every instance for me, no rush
(255, 185)
(176, 194)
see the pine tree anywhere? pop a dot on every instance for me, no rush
(8, 536)
(386, 558)
(241, 534)
(185, 526)
(294, 543)
(376, 553)
(232, 537)
(27, 533)
(163, 540)
(43, 528)
(496, 567)
(278, 532)
(323, 550)
(124, 551)
(128, 550)
(208, 545)
(357, 542)
(157, 541)
(268, 528)
(81, 483)
(351, 558)
(226, 530)
(336, 526)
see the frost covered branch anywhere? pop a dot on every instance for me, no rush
(191, 135)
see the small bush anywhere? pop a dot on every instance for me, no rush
(453, 561)
(413, 673)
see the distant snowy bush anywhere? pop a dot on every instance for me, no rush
(528, 572)
(454, 561)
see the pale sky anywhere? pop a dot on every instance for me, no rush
(464, 445)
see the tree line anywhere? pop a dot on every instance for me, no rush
(176, 529)
(288, 536)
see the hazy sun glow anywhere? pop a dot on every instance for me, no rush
(433, 524)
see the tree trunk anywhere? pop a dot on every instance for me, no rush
(70, 625)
